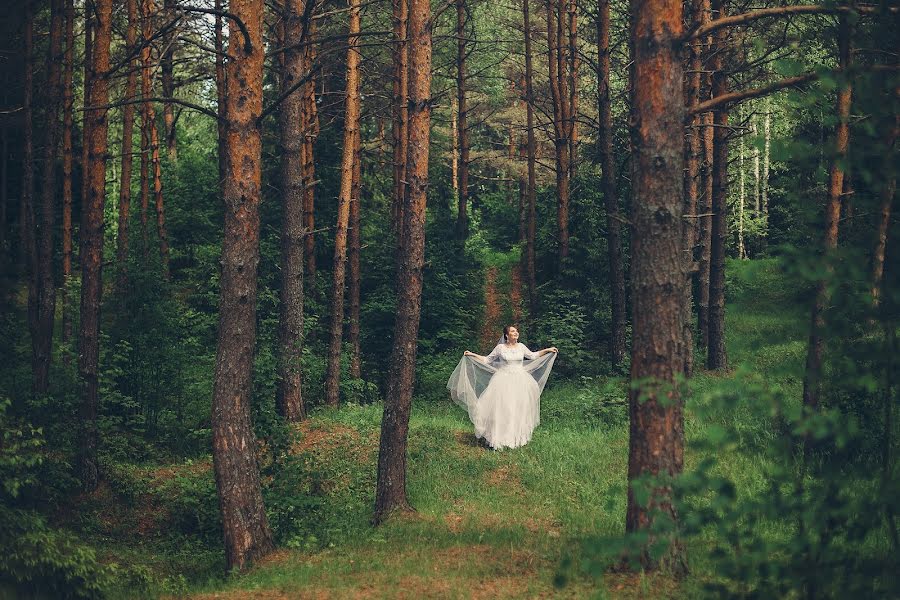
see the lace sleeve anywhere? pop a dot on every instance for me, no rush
(494, 355)
(528, 353)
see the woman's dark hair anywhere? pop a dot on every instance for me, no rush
(506, 331)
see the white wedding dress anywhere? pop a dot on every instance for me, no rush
(502, 395)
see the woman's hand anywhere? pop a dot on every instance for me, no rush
(467, 353)
(553, 349)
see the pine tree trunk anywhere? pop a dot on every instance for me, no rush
(530, 274)
(42, 341)
(311, 132)
(610, 194)
(462, 185)
(353, 287)
(717, 356)
(167, 72)
(68, 127)
(27, 213)
(91, 252)
(656, 441)
(705, 202)
(246, 529)
(812, 383)
(742, 251)
(559, 93)
(400, 107)
(574, 63)
(127, 147)
(390, 493)
(351, 132)
(289, 394)
(221, 90)
(146, 108)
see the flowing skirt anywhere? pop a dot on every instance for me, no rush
(509, 409)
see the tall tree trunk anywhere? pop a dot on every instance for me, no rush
(68, 127)
(26, 208)
(462, 219)
(42, 342)
(705, 202)
(4, 187)
(351, 132)
(127, 146)
(91, 252)
(717, 356)
(742, 251)
(289, 395)
(146, 108)
(353, 287)
(764, 193)
(246, 529)
(813, 374)
(530, 274)
(221, 90)
(400, 107)
(556, 20)
(390, 493)
(656, 441)
(167, 72)
(608, 184)
(156, 164)
(311, 132)
(574, 63)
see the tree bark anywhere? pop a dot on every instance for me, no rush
(400, 107)
(310, 133)
(27, 215)
(462, 219)
(610, 195)
(351, 132)
(813, 374)
(390, 493)
(561, 125)
(42, 337)
(68, 127)
(246, 529)
(91, 252)
(717, 355)
(221, 90)
(656, 441)
(705, 198)
(289, 395)
(353, 287)
(127, 147)
(532, 152)
(167, 72)
(574, 63)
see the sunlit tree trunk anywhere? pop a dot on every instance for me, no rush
(167, 73)
(351, 132)
(353, 287)
(656, 440)
(390, 492)
(400, 127)
(127, 133)
(812, 383)
(289, 395)
(610, 194)
(246, 529)
(91, 235)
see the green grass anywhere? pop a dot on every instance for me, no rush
(487, 524)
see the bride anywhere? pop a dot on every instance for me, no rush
(502, 391)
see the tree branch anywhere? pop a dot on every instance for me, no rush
(248, 46)
(300, 82)
(778, 11)
(184, 103)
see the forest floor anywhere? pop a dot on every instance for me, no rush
(488, 524)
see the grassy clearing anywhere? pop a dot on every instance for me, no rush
(487, 524)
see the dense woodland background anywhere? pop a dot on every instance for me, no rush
(243, 245)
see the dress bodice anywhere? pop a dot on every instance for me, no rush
(510, 356)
